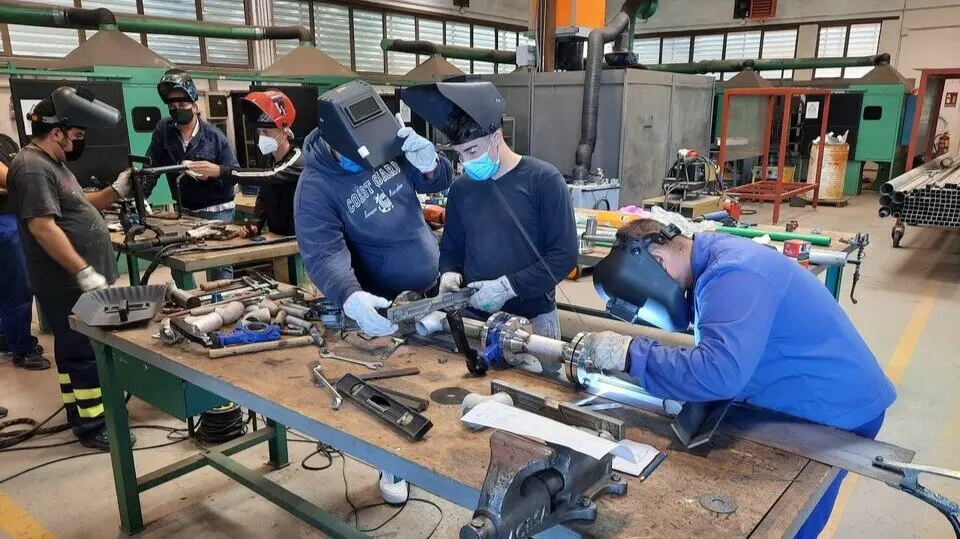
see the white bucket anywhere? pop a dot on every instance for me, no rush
(834, 169)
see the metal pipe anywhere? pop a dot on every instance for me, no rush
(909, 176)
(721, 66)
(884, 212)
(68, 17)
(449, 51)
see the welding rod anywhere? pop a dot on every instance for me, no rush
(260, 347)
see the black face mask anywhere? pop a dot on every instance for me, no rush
(76, 152)
(181, 116)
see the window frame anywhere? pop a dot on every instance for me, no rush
(846, 25)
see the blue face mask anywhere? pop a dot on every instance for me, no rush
(482, 168)
(348, 165)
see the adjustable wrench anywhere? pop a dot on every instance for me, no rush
(372, 365)
(397, 343)
(316, 373)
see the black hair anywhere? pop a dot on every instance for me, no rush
(460, 127)
(43, 109)
(175, 71)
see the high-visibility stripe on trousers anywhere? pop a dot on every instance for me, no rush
(89, 402)
(66, 389)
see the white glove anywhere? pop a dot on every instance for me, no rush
(606, 350)
(491, 295)
(123, 185)
(450, 281)
(419, 151)
(192, 174)
(88, 279)
(362, 308)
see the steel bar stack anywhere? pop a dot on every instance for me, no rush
(928, 195)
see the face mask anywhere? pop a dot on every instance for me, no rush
(348, 165)
(76, 152)
(267, 145)
(482, 168)
(182, 116)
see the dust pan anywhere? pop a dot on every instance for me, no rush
(120, 306)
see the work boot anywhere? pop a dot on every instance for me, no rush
(33, 361)
(102, 442)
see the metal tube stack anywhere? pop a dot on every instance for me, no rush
(928, 195)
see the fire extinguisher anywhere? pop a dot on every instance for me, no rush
(943, 143)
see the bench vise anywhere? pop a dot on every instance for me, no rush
(531, 487)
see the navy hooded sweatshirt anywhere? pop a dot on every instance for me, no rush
(365, 230)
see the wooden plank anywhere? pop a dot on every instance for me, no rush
(245, 203)
(665, 505)
(795, 504)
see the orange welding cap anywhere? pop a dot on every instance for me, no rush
(270, 108)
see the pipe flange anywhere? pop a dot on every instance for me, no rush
(513, 339)
(572, 355)
(496, 319)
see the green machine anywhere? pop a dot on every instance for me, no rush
(878, 135)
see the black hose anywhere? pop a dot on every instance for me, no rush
(89, 18)
(288, 32)
(591, 84)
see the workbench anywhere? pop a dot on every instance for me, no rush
(284, 256)
(774, 490)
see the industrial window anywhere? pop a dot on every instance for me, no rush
(507, 40)
(708, 47)
(873, 112)
(429, 30)
(647, 49)
(289, 12)
(779, 44)
(177, 49)
(332, 23)
(846, 41)
(741, 46)
(226, 51)
(116, 6)
(484, 37)
(458, 33)
(401, 27)
(676, 50)
(40, 41)
(367, 33)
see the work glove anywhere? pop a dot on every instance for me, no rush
(419, 151)
(606, 351)
(88, 279)
(124, 184)
(450, 281)
(491, 295)
(362, 308)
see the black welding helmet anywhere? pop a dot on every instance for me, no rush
(436, 102)
(177, 79)
(77, 107)
(355, 122)
(637, 288)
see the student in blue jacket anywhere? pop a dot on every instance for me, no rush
(766, 333)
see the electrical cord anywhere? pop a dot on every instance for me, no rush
(10, 439)
(218, 426)
(324, 450)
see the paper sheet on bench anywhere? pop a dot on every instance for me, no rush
(632, 456)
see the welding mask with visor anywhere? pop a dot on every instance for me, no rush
(355, 122)
(78, 107)
(437, 102)
(637, 288)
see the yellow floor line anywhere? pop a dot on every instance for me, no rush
(18, 523)
(896, 367)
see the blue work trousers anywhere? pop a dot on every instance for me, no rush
(224, 272)
(16, 300)
(821, 513)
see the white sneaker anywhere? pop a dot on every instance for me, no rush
(393, 489)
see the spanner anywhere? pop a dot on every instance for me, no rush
(316, 372)
(397, 343)
(372, 365)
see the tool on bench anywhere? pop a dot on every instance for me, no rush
(410, 401)
(246, 286)
(293, 342)
(372, 365)
(860, 241)
(393, 373)
(563, 412)
(316, 374)
(397, 343)
(408, 310)
(243, 298)
(119, 306)
(247, 333)
(910, 483)
(531, 487)
(133, 211)
(210, 286)
(403, 419)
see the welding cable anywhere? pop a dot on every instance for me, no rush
(10, 439)
(221, 425)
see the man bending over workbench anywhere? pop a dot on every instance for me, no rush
(766, 333)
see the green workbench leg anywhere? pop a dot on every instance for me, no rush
(833, 280)
(295, 269)
(121, 449)
(133, 270)
(277, 445)
(183, 279)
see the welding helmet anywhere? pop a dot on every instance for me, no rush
(271, 108)
(355, 122)
(76, 107)
(177, 79)
(437, 102)
(637, 288)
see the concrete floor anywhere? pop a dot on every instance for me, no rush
(908, 312)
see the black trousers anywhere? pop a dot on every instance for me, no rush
(76, 364)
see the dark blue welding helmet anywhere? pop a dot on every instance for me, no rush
(637, 288)
(75, 107)
(437, 102)
(354, 121)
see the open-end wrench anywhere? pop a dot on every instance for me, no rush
(397, 343)
(316, 372)
(372, 365)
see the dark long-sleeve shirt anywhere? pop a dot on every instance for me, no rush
(482, 242)
(278, 185)
(365, 230)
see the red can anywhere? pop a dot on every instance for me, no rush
(798, 249)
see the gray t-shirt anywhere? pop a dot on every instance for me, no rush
(39, 186)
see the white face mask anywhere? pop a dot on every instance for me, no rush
(267, 145)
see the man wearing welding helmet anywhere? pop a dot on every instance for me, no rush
(207, 191)
(360, 225)
(766, 332)
(65, 240)
(509, 230)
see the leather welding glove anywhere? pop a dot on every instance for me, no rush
(123, 184)
(419, 151)
(362, 308)
(450, 281)
(491, 295)
(606, 350)
(88, 279)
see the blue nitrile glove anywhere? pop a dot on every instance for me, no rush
(419, 151)
(491, 295)
(362, 308)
